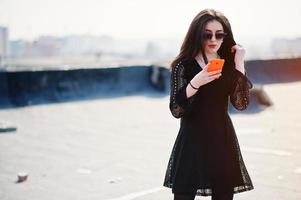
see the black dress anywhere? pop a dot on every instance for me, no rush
(206, 153)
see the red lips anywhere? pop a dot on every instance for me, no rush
(212, 46)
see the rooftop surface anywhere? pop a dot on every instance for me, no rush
(118, 148)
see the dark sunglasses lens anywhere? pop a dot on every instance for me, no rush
(208, 36)
(220, 36)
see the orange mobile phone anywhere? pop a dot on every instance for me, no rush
(216, 64)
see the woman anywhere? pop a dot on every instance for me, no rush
(206, 158)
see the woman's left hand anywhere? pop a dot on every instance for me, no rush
(239, 56)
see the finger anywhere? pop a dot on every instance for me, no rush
(214, 72)
(212, 78)
(217, 74)
(206, 66)
(216, 77)
(235, 47)
(238, 46)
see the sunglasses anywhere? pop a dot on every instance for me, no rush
(218, 36)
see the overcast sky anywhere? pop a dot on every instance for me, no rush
(145, 19)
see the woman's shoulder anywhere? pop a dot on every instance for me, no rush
(184, 64)
(185, 68)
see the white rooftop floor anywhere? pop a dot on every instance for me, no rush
(119, 148)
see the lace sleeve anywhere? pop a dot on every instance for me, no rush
(179, 104)
(239, 90)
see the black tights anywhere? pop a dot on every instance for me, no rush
(222, 196)
(184, 197)
(215, 196)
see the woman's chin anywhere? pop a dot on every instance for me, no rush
(212, 51)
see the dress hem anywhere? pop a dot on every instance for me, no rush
(208, 191)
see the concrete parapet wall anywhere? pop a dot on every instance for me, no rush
(23, 88)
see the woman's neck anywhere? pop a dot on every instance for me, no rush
(209, 56)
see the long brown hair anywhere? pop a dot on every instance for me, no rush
(194, 39)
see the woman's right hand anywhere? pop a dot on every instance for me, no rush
(204, 77)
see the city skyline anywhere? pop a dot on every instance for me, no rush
(144, 19)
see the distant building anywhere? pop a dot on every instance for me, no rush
(287, 48)
(45, 46)
(17, 48)
(3, 44)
